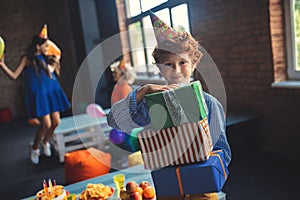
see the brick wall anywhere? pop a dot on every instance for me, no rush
(123, 29)
(237, 35)
(20, 20)
(277, 35)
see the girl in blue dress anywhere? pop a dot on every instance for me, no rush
(44, 97)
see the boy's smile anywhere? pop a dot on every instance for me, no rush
(176, 68)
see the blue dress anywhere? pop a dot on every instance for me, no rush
(43, 94)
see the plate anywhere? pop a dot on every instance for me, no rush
(112, 193)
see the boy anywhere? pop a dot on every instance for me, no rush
(176, 55)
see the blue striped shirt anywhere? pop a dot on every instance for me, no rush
(126, 115)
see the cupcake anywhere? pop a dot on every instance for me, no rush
(56, 192)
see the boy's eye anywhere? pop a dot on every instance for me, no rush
(182, 62)
(168, 64)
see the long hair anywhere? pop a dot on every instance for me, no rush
(31, 55)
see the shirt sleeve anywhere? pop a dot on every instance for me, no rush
(217, 126)
(126, 114)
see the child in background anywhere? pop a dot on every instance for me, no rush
(124, 77)
(53, 61)
(44, 97)
(176, 55)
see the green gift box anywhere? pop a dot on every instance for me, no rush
(174, 107)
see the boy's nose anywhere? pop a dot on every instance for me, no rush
(176, 67)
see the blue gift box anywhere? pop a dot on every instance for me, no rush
(197, 178)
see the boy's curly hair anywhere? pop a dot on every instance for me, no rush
(182, 42)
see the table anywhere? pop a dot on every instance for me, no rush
(135, 173)
(80, 131)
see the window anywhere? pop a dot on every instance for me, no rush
(292, 15)
(141, 36)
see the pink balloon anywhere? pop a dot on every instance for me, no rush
(95, 110)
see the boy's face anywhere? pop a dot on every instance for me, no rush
(176, 68)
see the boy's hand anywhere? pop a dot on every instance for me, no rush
(152, 88)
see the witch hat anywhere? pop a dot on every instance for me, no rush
(44, 32)
(161, 30)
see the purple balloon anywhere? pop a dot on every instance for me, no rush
(116, 136)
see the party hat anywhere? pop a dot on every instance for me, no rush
(44, 32)
(161, 30)
(122, 65)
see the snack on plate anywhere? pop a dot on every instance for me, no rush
(96, 192)
(56, 192)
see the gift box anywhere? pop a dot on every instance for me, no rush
(133, 141)
(198, 178)
(183, 144)
(174, 107)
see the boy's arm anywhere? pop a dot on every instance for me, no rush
(128, 114)
(217, 126)
(152, 88)
(132, 112)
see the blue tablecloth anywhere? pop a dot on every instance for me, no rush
(135, 173)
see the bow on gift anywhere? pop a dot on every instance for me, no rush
(188, 196)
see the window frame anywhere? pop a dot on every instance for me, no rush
(139, 18)
(292, 73)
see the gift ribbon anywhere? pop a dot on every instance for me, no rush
(174, 108)
(212, 153)
(179, 181)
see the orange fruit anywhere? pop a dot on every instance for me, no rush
(149, 192)
(140, 190)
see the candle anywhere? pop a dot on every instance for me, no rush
(45, 188)
(50, 185)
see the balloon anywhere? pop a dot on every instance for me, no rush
(116, 136)
(2, 47)
(94, 110)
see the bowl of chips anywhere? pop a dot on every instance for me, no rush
(96, 192)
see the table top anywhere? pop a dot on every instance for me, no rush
(77, 122)
(135, 173)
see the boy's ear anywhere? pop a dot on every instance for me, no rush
(194, 67)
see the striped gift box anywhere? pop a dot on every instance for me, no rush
(183, 144)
